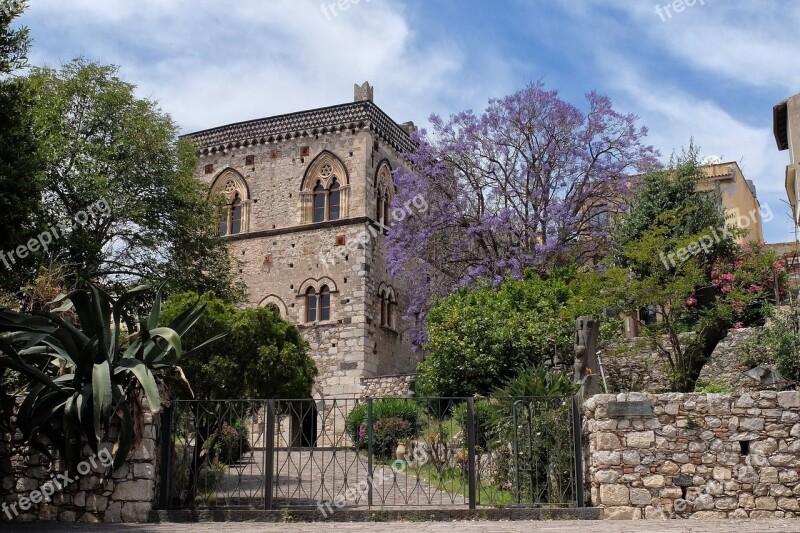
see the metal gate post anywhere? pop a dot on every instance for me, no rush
(471, 453)
(515, 451)
(166, 457)
(369, 452)
(269, 455)
(577, 430)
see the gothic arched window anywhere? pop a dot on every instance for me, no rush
(236, 215)
(319, 202)
(383, 184)
(234, 212)
(311, 305)
(334, 200)
(325, 190)
(388, 304)
(318, 304)
(383, 308)
(386, 205)
(324, 303)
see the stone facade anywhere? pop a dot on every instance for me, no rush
(273, 166)
(727, 365)
(632, 365)
(697, 455)
(401, 386)
(635, 365)
(128, 496)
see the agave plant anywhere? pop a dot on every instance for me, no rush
(85, 380)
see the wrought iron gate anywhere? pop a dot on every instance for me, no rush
(372, 453)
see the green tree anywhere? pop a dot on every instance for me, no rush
(120, 179)
(262, 355)
(672, 245)
(20, 183)
(667, 202)
(479, 339)
(84, 380)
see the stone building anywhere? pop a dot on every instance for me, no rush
(736, 195)
(307, 210)
(786, 127)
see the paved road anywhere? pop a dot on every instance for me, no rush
(675, 526)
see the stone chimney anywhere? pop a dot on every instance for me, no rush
(410, 127)
(363, 93)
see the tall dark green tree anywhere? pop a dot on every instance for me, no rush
(20, 182)
(261, 356)
(118, 176)
(668, 244)
(669, 199)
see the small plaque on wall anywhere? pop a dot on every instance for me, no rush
(625, 409)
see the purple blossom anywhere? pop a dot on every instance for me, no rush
(511, 189)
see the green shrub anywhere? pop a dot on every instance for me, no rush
(231, 443)
(780, 341)
(483, 421)
(712, 387)
(400, 408)
(387, 433)
(537, 382)
(210, 479)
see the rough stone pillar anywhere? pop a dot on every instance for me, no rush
(586, 368)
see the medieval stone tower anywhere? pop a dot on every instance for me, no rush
(307, 208)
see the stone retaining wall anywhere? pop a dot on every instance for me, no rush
(698, 455)
(128, 496)
(636, 365)
(726, 366)
(382, 386)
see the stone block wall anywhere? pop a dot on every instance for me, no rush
(401, 386)
(281, 254)
(127, 496)
(634, 365)
(696, 455)
(726, 365)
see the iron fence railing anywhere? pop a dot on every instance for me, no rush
(372, 453)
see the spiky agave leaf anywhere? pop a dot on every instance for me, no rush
(100, 382)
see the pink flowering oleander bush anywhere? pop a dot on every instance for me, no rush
(382, 409)
(748, 283)
(230, 443)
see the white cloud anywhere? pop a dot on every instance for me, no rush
(753, 43)
(742, 44)
(208, 65)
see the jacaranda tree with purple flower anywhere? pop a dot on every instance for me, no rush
(528, 183)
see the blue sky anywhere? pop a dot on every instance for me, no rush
(712, 71)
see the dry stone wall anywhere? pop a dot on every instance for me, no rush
(727, 365)
(401, 386)
(127, 496)
(696, 455)
(635, 365)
